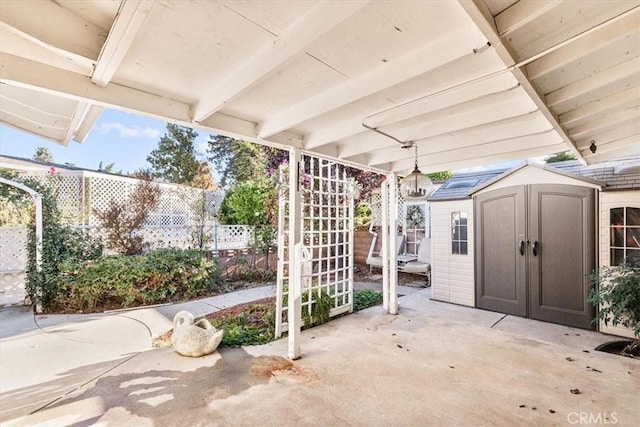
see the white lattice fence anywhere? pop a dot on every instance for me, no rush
(13, 249)
(327, 235)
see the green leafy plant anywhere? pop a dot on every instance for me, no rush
(617, 295)
(164, 275)
(60, 243)
(318, 311)
(366, 298)
(255, 325)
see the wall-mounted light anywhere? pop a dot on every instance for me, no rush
(416, 185)
(593, 147)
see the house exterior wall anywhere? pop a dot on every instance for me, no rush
(452, 275)
(608, 201)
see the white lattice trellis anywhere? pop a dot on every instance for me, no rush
(414, 219)
(327, 235)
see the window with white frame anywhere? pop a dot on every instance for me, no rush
(459, 234)
(625, 235)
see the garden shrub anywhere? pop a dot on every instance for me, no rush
(617, 296)
(164, 275)
(366, 298)
(60, 243)
(123, 219)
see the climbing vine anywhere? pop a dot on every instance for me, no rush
(60, 243)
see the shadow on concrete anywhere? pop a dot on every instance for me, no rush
(162, 395)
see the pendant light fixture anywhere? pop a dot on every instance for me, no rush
(416, 185)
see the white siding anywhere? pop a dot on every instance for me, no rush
(452, 275)
(608, 201)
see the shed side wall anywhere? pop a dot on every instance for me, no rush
(608, 201)
(452, 275)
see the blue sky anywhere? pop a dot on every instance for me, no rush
(117, 137)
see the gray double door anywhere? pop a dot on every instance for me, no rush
(535, 246)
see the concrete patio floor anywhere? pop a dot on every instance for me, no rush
(432, 364)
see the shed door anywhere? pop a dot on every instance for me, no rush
(535, 247)
(561, 221)
(501, 267)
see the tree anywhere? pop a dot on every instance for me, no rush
(43, 155)
(239, 161)
(244, 203)
(108, 168)
(560, 157)
(175, 158)
(440, 176)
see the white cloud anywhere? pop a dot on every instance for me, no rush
(129, 131)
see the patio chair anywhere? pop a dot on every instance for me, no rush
(376, 260)
(422, 265)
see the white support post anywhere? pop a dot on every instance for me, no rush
(38, 200)
(393, 249)
(295, 261)
(384, 251)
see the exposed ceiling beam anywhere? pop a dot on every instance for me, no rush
(602, 38)
(436, 54)
(613, 154)
(616, 102)
(482, 17)
(90, 118)
(611, 121)
(124, 31)
(16, 42)
(23, 124)
(489, 109)
(20, 72)
(464, 70)
(474, 91)
(456, 164)
(481, 150)
(631, 127)
(75, 122)
(620, 72)
(526, 124)
(633, 140)
(55, 26)
(520, 14)
(316, 22)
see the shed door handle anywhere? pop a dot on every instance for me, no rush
(535, 248)
(521, 247)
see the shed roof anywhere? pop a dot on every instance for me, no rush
(619, 175)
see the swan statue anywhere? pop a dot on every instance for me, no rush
(194, 339)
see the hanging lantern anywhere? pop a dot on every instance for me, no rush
(416, 185)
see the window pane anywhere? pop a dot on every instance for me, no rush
(633, 237)
(617, 256)
(633, 256)
(463, 233)
(617, 216)
(633, 216)
(463, 248)
(617, 236)
(455, 247)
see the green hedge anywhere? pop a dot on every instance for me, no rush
(164, 275)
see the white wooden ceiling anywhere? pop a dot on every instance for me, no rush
(469, 82)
